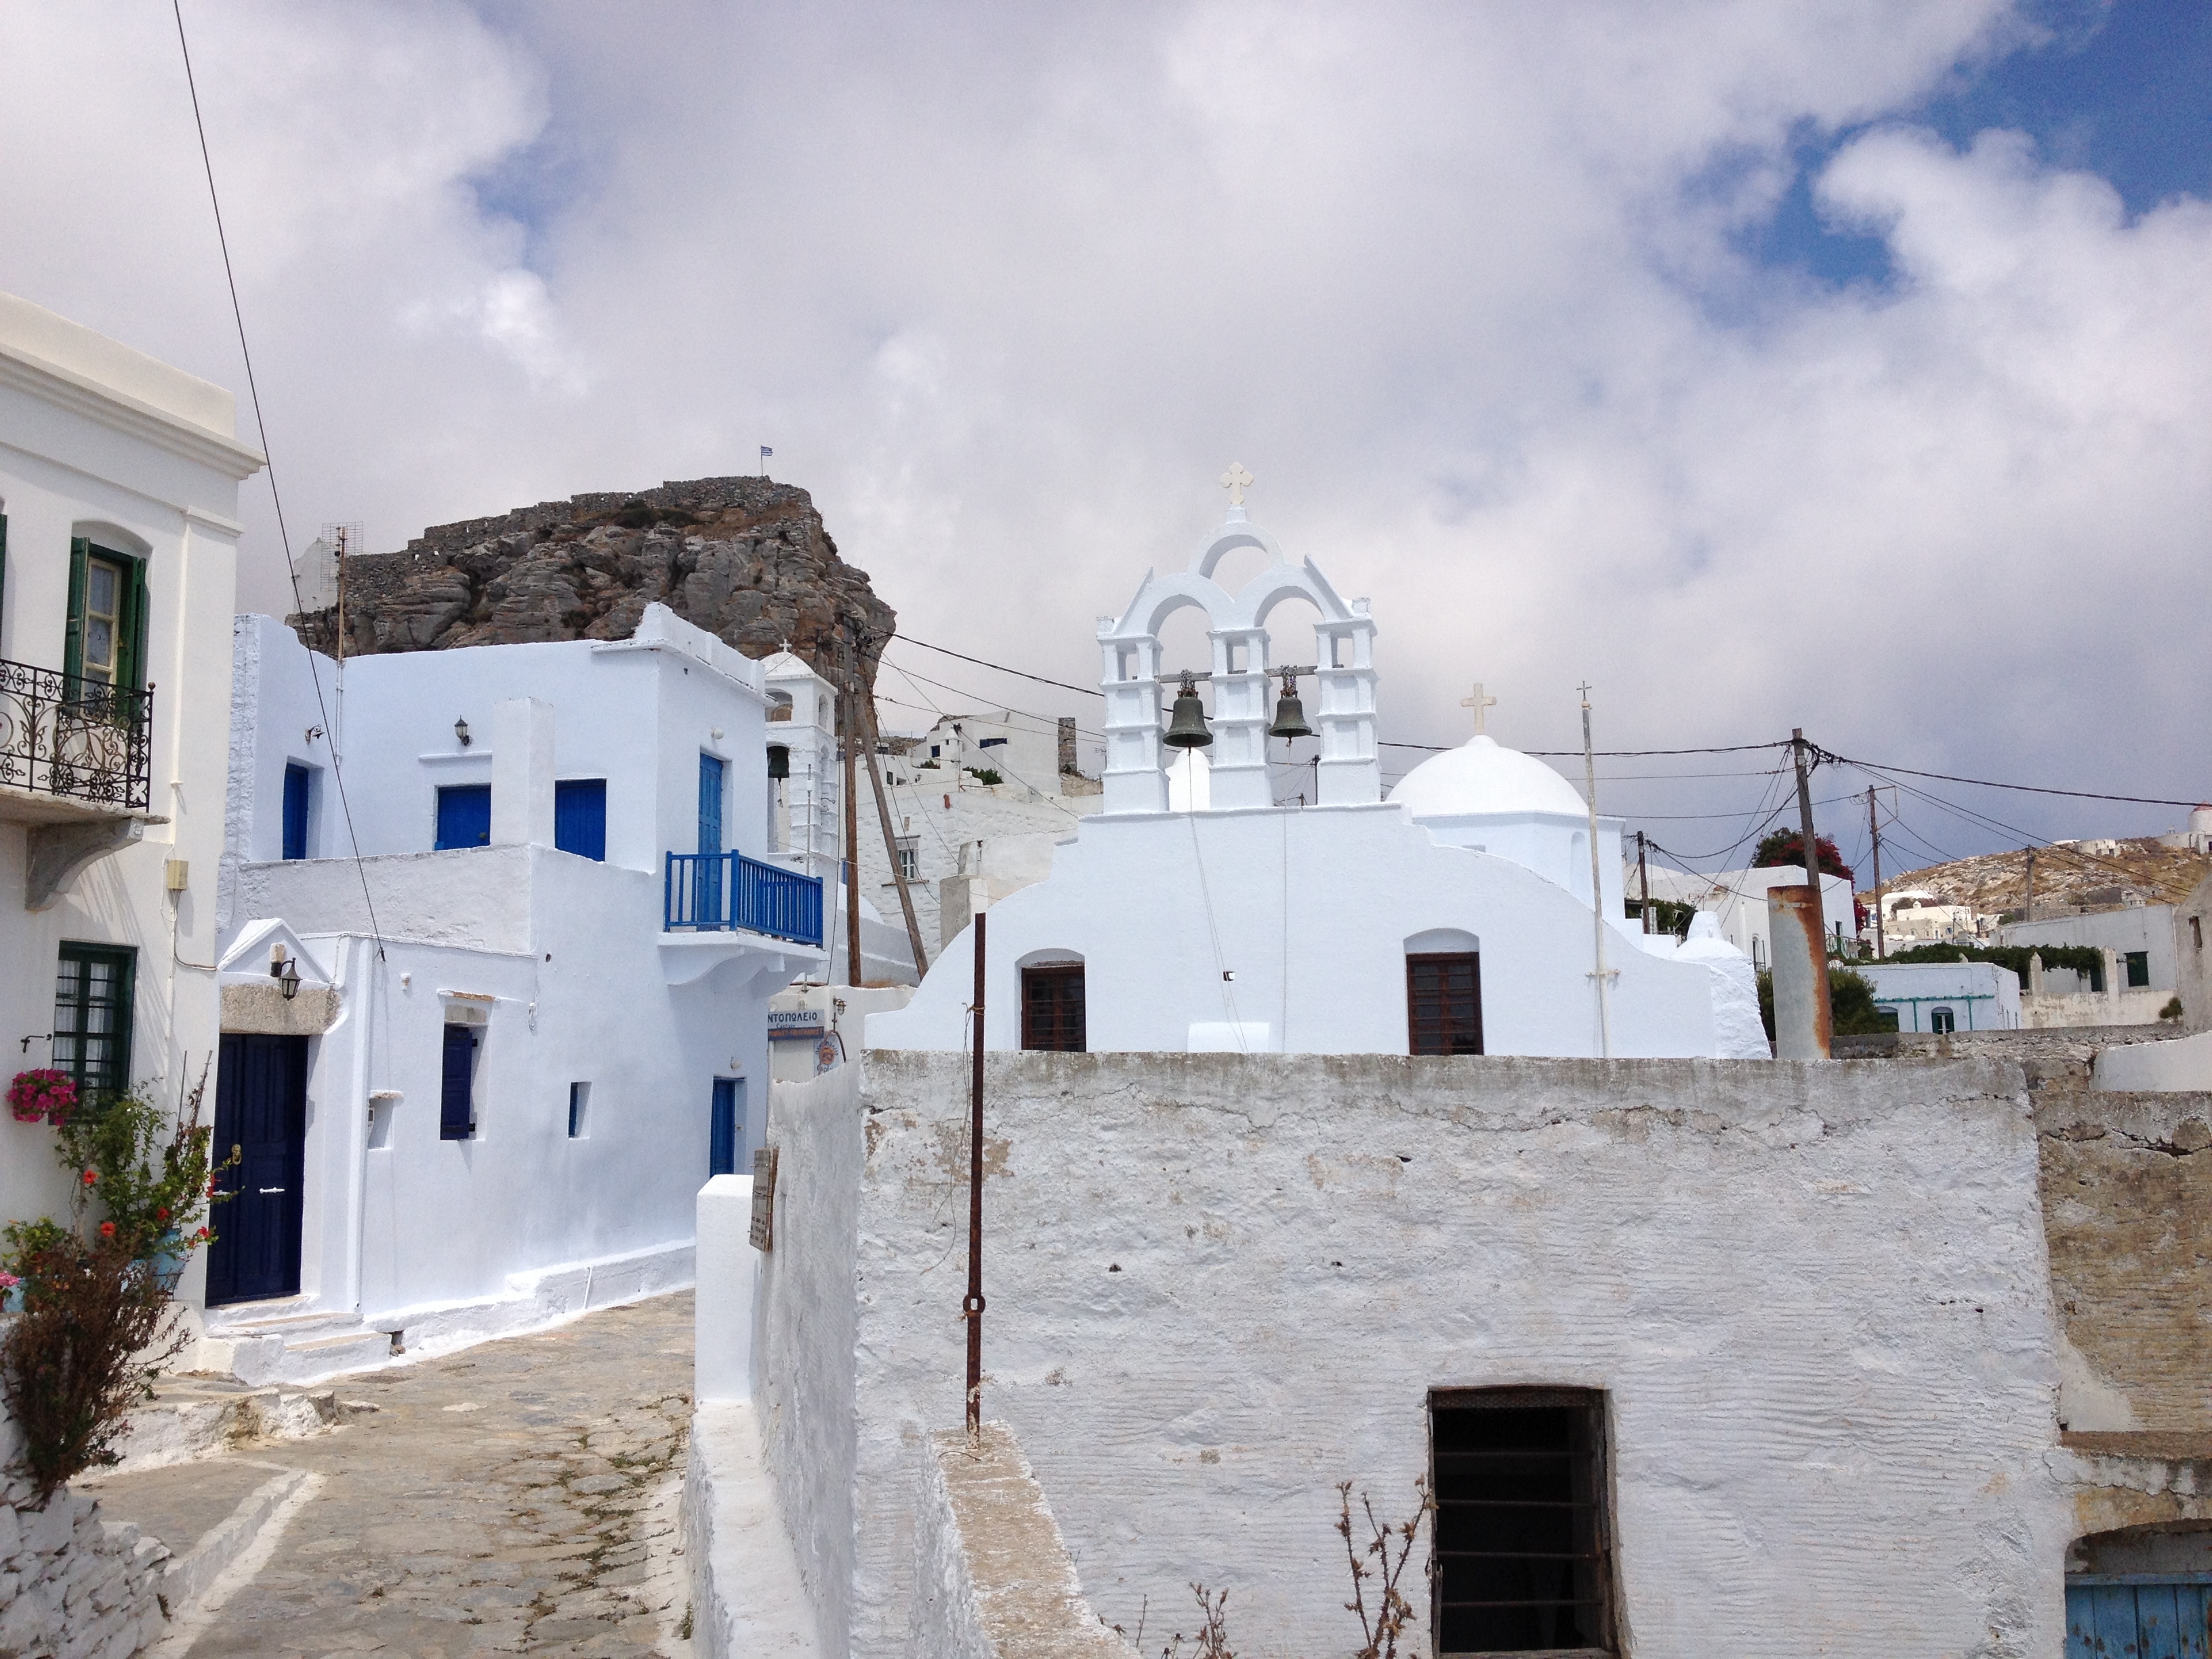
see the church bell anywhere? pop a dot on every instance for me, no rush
(778, 761)
(1289, 714)
(1188, 729)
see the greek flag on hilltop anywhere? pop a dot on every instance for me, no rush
(765, 452)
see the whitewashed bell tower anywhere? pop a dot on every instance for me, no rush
(1242, 674)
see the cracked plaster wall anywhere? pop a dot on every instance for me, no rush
(1816, 1294)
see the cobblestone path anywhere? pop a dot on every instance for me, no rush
(516, 1497)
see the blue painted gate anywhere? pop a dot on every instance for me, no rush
(260, 1109)
(2138, 1616)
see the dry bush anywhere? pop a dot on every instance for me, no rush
(96, 1326)
(1394, 1612)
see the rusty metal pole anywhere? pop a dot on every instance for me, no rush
(1873, 829)
(973, 1306)
(1803, 982)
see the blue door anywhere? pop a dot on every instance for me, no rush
(299, 781)
(261, 1110)
(707, 901)
(580, 818)
(2138, 1616)
(726, 1129)
(464, 816)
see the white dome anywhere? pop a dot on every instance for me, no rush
(1481, 778)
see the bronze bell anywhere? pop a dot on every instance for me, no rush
(778, 761)
(1289, 714)
(1188, 729)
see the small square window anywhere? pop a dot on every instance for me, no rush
(1053, 1007)
(909, 853)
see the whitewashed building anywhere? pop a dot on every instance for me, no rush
(494, 1010)
(1456, 917)
(1945, 997)
(1737, 900)
(118, 547)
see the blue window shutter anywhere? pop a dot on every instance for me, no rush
(298, 781)
(580, 818)
(464, 816)
(456, 1108)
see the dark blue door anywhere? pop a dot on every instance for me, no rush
(261, 1110)
(580, 818)
(464, 816)
(707, 901)
(457, 1115)
(2138, 1616)
(299, 780)
(725, 1136)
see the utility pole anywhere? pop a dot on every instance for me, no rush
(890, 848)
(1643, 880)
(972, 1306)
(2028, 911)
(1597, 888)
(1797, 748)
(1873, 829)
(852, 821)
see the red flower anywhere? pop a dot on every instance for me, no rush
(107, 1230)
(90, 1176)
(161, 1215)
(200, 1236)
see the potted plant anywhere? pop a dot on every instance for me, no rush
(44, 1095)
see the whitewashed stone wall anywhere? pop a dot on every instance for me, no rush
(1817, 1295)
(70, 1587)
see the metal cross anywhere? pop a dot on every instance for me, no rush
(1235, 481)
(1479, 703)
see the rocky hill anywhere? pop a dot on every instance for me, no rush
(2086, 875)
(746, 558)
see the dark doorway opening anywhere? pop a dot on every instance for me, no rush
(1523, 1534)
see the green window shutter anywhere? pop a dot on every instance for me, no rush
(73, 635)
(131, 645)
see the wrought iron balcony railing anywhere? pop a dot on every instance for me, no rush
(74, 738)
(714, 892)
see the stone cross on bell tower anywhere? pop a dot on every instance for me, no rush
(1237, 481)
(1480, 704)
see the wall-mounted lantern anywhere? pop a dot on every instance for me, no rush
(461, 730)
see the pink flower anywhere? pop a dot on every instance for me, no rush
(8, 1281)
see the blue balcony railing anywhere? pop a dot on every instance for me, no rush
(715, 892)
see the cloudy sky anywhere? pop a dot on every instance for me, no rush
(1832, 365)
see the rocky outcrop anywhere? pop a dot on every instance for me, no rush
(747, 559)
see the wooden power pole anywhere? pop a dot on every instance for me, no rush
(1873, 829)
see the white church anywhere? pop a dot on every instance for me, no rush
(1457, 917)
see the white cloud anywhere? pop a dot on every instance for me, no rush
(1006, 290)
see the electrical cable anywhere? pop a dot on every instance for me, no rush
(1876, 770)
(269, 465)
(1019, 673)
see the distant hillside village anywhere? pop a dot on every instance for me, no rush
(1107, 1149)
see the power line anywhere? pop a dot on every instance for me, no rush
(268, 463)
(1987, 783)
(1019, 673)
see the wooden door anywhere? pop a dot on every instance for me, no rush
(260, 1109)
(2139, 1616)
(726, 1128)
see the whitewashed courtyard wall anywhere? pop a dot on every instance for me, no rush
(1816, 1294)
